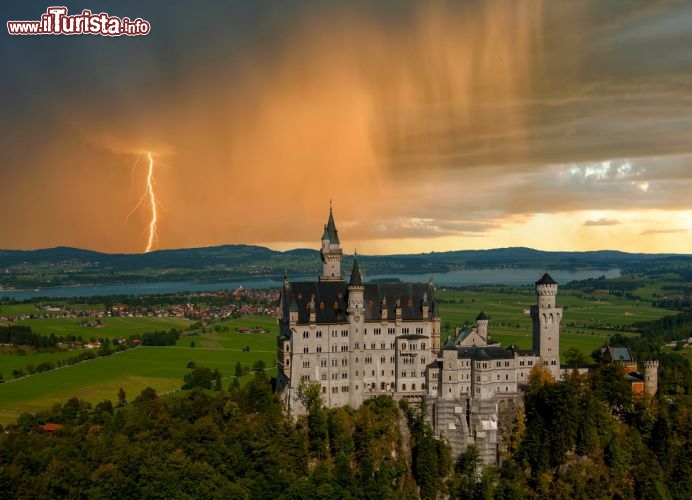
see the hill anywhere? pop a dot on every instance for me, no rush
(64, 266)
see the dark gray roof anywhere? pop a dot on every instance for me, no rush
(484, 353)
(330, 229)
(481, 317)
(331, 300)
(356, 276)
(546, 280)
(620, 353)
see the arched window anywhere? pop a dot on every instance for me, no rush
(410, 302)
(336, 305)
(422, 345)
(321, 304)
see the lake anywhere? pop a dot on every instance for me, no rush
(463, 277)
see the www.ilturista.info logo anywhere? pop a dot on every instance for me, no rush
(56, 22)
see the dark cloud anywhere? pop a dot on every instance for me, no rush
(421, 120)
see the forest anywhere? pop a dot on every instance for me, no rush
(585, 437)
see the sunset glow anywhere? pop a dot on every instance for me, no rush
(433, 126)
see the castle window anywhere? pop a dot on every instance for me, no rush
(422, 345)
(323, 362)
(413, 387)
(306, 335)
(335, 305)
(370, 303)
(403, 387)
(409, 303)
(321, 304)
(324, 390)
(319, 348)
(403, 346)
(306, 350)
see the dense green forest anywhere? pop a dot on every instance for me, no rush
(580, 438)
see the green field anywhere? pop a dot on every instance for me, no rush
(587, 323)
(112, 327)
(162, 368)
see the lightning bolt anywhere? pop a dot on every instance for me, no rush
(153, 202)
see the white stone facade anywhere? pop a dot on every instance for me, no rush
(360, 340)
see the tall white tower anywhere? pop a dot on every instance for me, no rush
(546, 325)
(356, 319)
(651, 377)
(331, 251)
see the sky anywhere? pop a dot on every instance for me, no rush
(431, 126)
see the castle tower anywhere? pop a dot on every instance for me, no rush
(356, 319)
(651, 377)
(546, 319)
(331, 251)
(482, 325)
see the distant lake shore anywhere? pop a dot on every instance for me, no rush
(465, 277)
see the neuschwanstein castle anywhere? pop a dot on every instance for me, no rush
(360, 340)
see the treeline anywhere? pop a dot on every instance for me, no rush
(240, 443)
(19, 336)
(233, 444)
(22, 335)
(581, 438)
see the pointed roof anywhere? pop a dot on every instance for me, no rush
(330, 231)
(356, 276)
(546, 280)
(481, 317)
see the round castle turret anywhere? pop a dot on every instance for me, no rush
(651, 377)
(546, 290)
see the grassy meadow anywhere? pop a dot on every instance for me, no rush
(589, 319)
(162, 368)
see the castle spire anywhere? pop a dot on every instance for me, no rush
(331, 250)
(356, 276)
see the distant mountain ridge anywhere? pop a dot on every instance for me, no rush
(63, 266)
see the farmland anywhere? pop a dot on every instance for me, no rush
(162, 368)
(589, 319)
